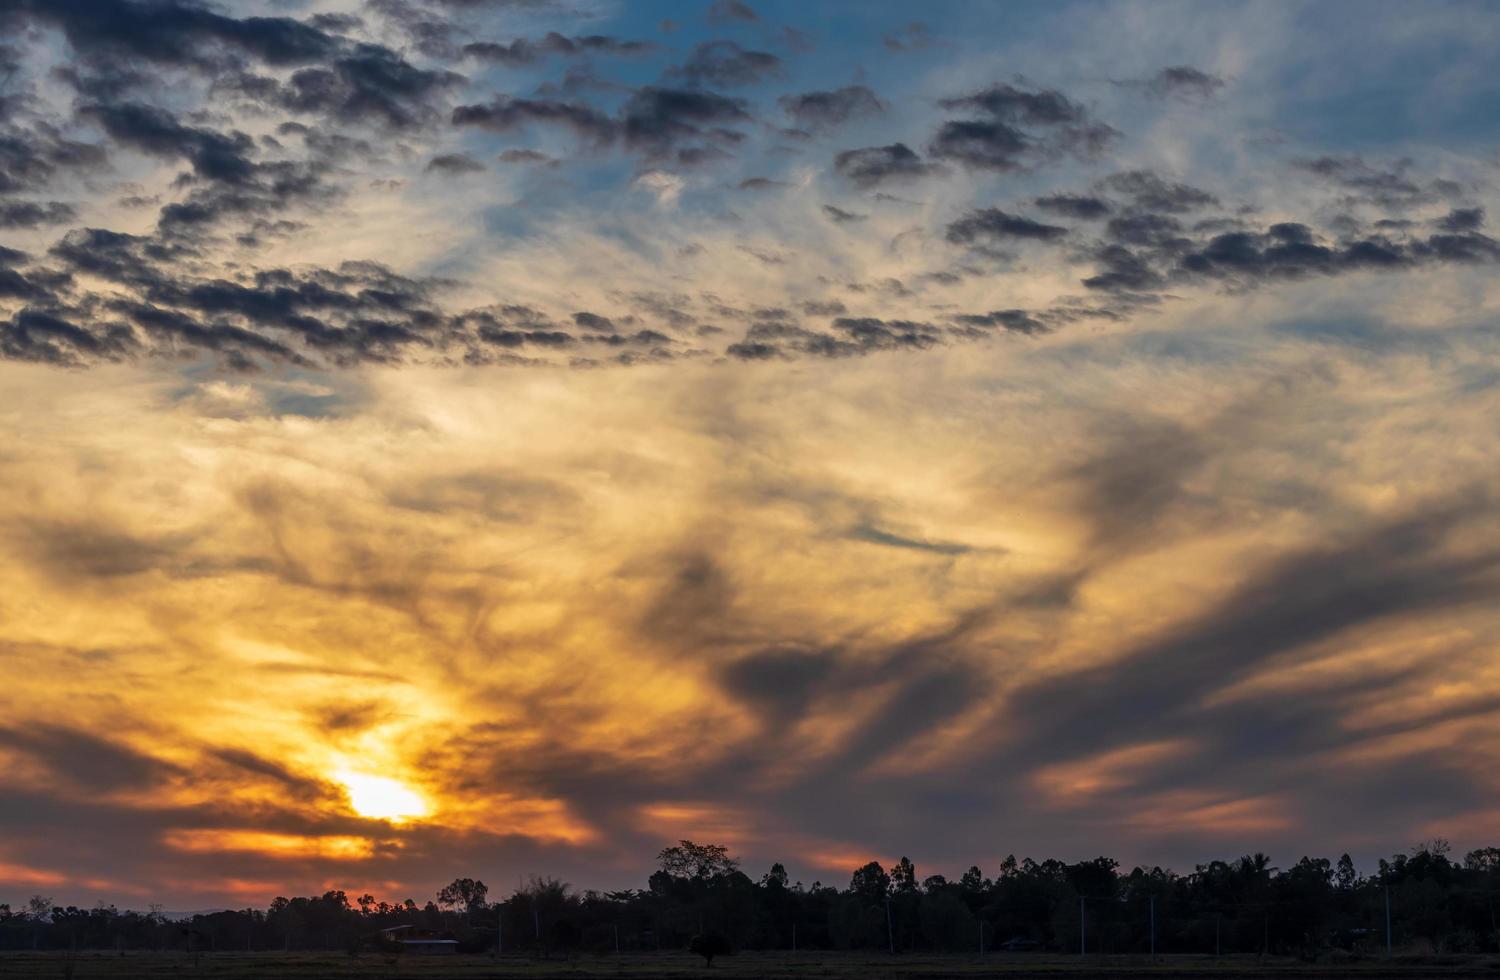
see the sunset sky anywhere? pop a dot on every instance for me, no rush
(486, 437)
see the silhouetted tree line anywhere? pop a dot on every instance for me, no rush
(700, 898)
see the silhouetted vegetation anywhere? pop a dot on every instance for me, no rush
(702, 899)
(708, 946)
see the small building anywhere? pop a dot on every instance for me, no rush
(410, 939)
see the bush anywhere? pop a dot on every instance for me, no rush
(710, 945)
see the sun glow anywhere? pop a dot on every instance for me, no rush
(382, 798)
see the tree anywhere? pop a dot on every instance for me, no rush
(904, 876)
(708, 946)
(699, 861)
(1096, 878)
(467, 894)
(39, 911)
(1346, 877)
(776, 878)
(39, 908)
(1484, 860)
(871, 882)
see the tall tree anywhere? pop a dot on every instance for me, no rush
(870, 882)
(465, 894)
(904, 876)
(686, 859)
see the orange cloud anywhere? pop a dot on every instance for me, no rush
(328, 847)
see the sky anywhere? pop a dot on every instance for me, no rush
(494, 437)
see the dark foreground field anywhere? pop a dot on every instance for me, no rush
(311, 966)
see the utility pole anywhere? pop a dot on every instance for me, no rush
(1153, 927)
(499, 928)
(536, 920)
(890, 930)
(981, 937)
(794, 937)
(1387, 921)
(1218, 916)
(617, 940)
(1082, 929)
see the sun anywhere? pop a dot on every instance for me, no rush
(382, 798)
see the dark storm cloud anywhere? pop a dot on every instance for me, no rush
(1020, 127)
(526, 156)
(1013, 321)
(1122, 271)
(270, 188)
(1134, 480)
(724, 64)
(1143, 229)
(1084, 208)
(827, 109)
(1392, 186)
(171, 33)
(126, 259)
(498, 336)
(75, 550)
(1149, 191)
(990, 225)
(872, 166)
(213, 155)
(454, 164)
(369, 83)
(333, 76)
(594, 322)
(1155, 232)
(1291, 251)
(1019, 106)
(32, 157)
(240, 348)
(1383, 570)
(656, 122)
(300, 787)
(1179, 82)
(875, 535)
(358, 312)
(1150, 250)
(46, 337)
(494, 4)
(506, 114)
(780, 682)
(862, 335)
(848, 337)
(842, 217)
(523, 51)
(32, 214)
(935, 685)
(975, 326)
(86, 761)
(1461, 220)
(980, 143)
(431, 33)
(745, 350)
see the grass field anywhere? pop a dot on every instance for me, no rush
(314, 966)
